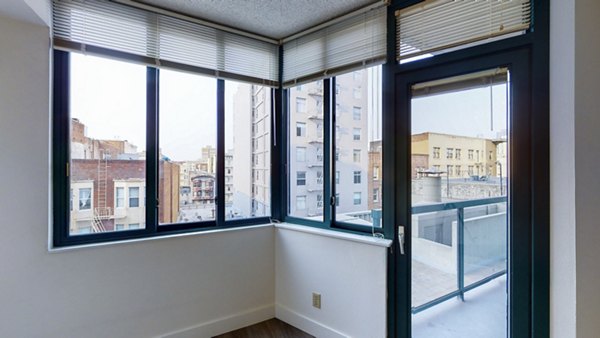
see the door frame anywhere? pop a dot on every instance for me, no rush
(520, 196)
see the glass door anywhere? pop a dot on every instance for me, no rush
(459, 271)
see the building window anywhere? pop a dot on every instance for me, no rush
(120, 197)
(337, 177)
(356, 134)
(301, 178)
(470, 170)
(449, 153)
(119, 227)
(356, 113)
(337, 154)
(375, 173)
(300, 129)
(477, 153)
(337, 200)
(300, 105)
(357, 198)
(375, 195)
(85, 198)
(449, 170)
(134, 226)
(337, 88)
(470, 154)
(319, 153)
(357, 75)
(319, 201)
(319, 130)
(356, 93)
(457, 154)
(300, 154)
(436, 168)
(490, 155)
(319, 177)
(356, 177)
(301, 202)
(436, 152)
(457, 170)
(356, 155)
(134, 197)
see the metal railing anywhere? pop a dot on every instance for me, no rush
(460, 247)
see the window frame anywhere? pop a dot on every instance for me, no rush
(61, 196)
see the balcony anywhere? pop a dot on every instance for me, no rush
(459, 268)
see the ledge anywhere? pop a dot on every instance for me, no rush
(381, 242)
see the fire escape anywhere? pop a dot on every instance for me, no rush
(101, 211)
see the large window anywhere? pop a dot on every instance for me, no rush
(144, 152)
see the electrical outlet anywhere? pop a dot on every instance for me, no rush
(316, 300)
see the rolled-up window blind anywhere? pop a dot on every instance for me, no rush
(437, 25)
(104, 27)
(352, 43)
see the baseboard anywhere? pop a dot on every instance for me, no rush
(225, 324)
(306, 324)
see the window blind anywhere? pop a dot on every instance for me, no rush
(356, 42)
(109, 28)
(436, 25)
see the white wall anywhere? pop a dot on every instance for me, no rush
(150, 288)
(574, 151)
(349, 275)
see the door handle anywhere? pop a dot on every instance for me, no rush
(401, 238)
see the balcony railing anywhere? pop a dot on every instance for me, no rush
(479, 225)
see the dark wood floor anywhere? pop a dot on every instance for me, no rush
(267, 329)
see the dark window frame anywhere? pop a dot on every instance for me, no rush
(61, 162)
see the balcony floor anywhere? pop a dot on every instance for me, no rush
(482, 314)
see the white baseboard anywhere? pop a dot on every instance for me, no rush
(224, 324)
(306, 324)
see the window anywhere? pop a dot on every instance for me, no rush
(301, 178)
(134, 197)
(470, 170)
(120, 197)
(357, 198)
(436, 168)
(120, 227)
(337, 154)
(449, 170)
(300, 129)
(376, 195)
(477, 152)
(356, 113)
(300, 202)
(375, 173)
(357, 75)
(85, 199)
(490, 155)
(134, 226)
(457, 154)
(457, 170)
(356, 155)
(337, 177)
(356, 134)
(319, 201)
(337, 200)
(300, 105)
(306, 153)
(436, 152)
(449, 153)
(300, 154)
(470, 154)
(356, 93)
(357, 177)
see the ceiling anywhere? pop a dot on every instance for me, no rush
(270, 18)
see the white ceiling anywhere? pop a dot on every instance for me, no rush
(270, 18)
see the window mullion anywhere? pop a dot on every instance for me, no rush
(220, 198)
(328, 145)
(152, 156)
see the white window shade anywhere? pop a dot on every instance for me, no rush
(437, 25)
(356, 42)
(105, 27)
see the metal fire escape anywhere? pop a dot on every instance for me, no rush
(101, 211)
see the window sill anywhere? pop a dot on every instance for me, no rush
(53, 249)
(381, 242)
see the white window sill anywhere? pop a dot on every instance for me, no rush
(336, 234)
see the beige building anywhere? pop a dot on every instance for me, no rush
(461, 156)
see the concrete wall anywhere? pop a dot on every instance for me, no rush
(349, 275)
(191, 286)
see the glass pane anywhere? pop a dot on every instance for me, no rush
(108, 144)
(306, 151)
(358, 158)
(247, 150)
(188, 147)
(459, 209)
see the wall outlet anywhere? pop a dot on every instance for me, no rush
(316, 300)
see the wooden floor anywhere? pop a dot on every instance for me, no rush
(267, 329)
